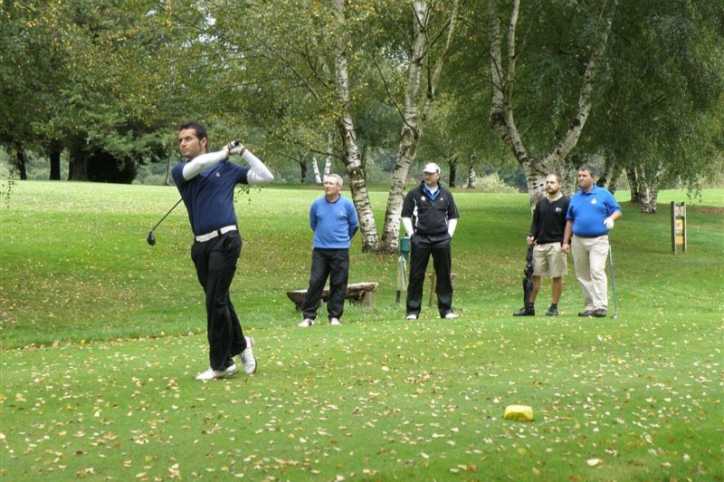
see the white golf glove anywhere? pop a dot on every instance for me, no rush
(608, 222)
(451, 225)
(235, 147)
(407, 223)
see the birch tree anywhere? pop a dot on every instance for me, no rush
(294, 63)
(418, 99)
(503, 58)
(315, 60)
(345, 124)
(656, 114)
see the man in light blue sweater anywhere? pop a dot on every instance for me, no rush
(333, 219)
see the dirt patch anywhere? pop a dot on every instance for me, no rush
(705, 209)
(665, 208)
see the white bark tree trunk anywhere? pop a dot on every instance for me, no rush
(317, 176)
(472, 178)
(501, 111)
(415, 111)
(649, 189)
(328, 159)
(345, 125)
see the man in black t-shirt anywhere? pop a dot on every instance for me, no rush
(546, 233)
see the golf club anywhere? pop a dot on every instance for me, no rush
(613, 283)
(150, 239)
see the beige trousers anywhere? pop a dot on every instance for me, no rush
(589, 261)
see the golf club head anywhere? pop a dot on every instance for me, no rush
(614, 316)
(150, 238)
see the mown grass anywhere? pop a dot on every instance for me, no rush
(103, 334)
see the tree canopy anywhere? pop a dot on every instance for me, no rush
(635, 87)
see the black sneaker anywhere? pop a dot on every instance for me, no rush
(525, 312)
(587, 313)
(599, 313)
(552, 311)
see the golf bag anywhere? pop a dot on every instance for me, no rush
(528, 280)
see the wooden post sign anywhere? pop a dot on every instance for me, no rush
(678, 226)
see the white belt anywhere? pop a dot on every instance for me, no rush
(215, 234)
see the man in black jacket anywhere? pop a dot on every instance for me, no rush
(546, 233)
(436, 217)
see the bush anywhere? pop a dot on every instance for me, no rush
(492, 183)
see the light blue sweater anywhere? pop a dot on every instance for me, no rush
(334, 223)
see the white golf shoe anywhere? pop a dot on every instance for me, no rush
(211, 374)
(248, 360)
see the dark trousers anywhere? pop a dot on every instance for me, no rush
(332, 263)
(215, 262)
(421, 248)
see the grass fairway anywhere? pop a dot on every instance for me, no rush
(102, 335)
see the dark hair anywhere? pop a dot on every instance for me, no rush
(587, 167)
(559, 178)
(199, 128)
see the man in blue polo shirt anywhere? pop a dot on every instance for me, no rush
(591, 214)
(206, 181)
(333, 218)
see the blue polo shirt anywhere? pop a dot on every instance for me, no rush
(587, 211)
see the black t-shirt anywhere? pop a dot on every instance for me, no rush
(549, 220)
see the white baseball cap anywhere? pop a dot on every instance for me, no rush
(431, 167)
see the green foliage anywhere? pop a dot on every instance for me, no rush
(92, 77)
(103, 334)
(662, 93)
(89, 76)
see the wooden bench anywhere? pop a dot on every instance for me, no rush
(358, 293)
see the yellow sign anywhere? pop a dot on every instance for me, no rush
(678, 226)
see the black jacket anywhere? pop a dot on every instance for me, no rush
(431, 216)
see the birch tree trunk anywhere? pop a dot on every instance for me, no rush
(501, 111)
(472, 178)
(167, 174)
(328, 158)
(317, 176)
(616, 171)
(345, 125)
(649, 190)
(415, 110)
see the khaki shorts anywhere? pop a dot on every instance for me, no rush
(549, 260)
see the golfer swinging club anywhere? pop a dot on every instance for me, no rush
(206, 182)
